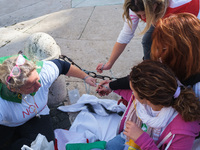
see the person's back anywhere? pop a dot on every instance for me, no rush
(176, 42)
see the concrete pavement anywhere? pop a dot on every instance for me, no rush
(85, 30)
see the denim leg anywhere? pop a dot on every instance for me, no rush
(146, 42)
(117, 143)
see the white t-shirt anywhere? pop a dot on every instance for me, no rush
(14, 114)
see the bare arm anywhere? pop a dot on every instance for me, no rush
(76, 72)
(116, 52)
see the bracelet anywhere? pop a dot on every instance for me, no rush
(86, 77)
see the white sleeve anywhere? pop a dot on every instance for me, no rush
(49, 73)
(1, 118)
(198, 16)
(127, 32)
(196, 89)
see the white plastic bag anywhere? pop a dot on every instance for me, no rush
(40, 143)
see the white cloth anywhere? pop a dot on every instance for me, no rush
(96, 103)
(87, 125)
(24, 112)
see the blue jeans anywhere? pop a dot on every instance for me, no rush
(117, 143)
(146, 42)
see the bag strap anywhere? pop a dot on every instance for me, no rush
(165, 139)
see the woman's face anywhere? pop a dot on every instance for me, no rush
(32, 84)
(145, 101)
(141, 14)
(142, 101)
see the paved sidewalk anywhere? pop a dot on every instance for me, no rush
(85, 31)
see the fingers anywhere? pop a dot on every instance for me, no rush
(91, 81)
(101, 93)
(132, 130)
(128, 129)
(129, 123)
(104, 82)
(126, 132)
(103, 89)
(100, 68)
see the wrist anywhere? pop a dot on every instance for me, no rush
(109, 64)
(87, 76)
(108, 87)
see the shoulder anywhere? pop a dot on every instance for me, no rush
(179, 126)
(49, 67)
(133, 16)
(49, 72)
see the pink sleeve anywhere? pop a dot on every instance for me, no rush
(146, 142)
(126, 94)
(179, 142)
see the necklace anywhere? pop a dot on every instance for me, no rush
(30, 106)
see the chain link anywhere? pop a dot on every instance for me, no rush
(90, 73)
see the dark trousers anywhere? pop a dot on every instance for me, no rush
(146, 42)
(13, 138)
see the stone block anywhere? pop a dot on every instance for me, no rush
(57, 92)
(41, 46)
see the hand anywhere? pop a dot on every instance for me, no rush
(90, 80)
(103, 88)
(132, 131)
(101, 67)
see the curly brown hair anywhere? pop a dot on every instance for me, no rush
(156, 82)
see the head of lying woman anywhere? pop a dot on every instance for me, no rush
(20, 75)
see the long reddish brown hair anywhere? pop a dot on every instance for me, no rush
(176, 41)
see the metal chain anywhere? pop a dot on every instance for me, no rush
(90, 73)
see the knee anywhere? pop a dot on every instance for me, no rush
(110, 145)
(116, 143)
